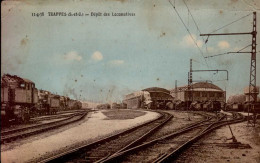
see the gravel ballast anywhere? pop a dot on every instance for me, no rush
(96, 127)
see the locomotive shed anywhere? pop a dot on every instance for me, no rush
(159, 96)
(199, 94)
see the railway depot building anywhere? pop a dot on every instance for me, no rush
(200, 92)
(138, 99)
(159, 97)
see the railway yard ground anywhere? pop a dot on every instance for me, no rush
(93, 127)
(216, 146)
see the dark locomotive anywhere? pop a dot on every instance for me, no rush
(21, 100)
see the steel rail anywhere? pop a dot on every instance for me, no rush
(139, 139)
(25, 132)
(68, 154)
(116, 156)
(53, 117)
(169, 156)
(11, 131)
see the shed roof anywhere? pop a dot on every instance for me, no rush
(199, 86)
(156, 89)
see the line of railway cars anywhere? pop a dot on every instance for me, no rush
(206, 106)
(20, 100)
(243, 107)
(103, 106)
(206, 97)
(113, 106)
(240, 103)
(199, 96)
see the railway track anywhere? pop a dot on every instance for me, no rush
(50, 117)
(165, 148)
(19, 129)
(101, 149)
(167, 129)
(59, 114)
(11, 135)
(39, 119)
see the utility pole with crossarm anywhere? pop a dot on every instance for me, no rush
(252, 80)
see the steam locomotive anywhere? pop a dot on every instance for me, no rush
(20, 100)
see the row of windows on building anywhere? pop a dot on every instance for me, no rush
(208, 94)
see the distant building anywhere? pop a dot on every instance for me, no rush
(201, 92)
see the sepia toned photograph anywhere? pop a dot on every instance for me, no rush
(130, 81)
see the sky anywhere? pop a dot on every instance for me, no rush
(103, 58)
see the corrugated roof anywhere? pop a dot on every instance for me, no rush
(157, 89)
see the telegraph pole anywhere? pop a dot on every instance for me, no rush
(190, 82)
(175, 89)
(252, 80)
(175, 92)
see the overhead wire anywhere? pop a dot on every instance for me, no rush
(230, 23)
(228, 52)
(244, 47)
(198, 29)
(216, 55)
(193, 39)
(205, 41)
(193, 18)
(219, 80)
(226, 26)
(222, 28)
